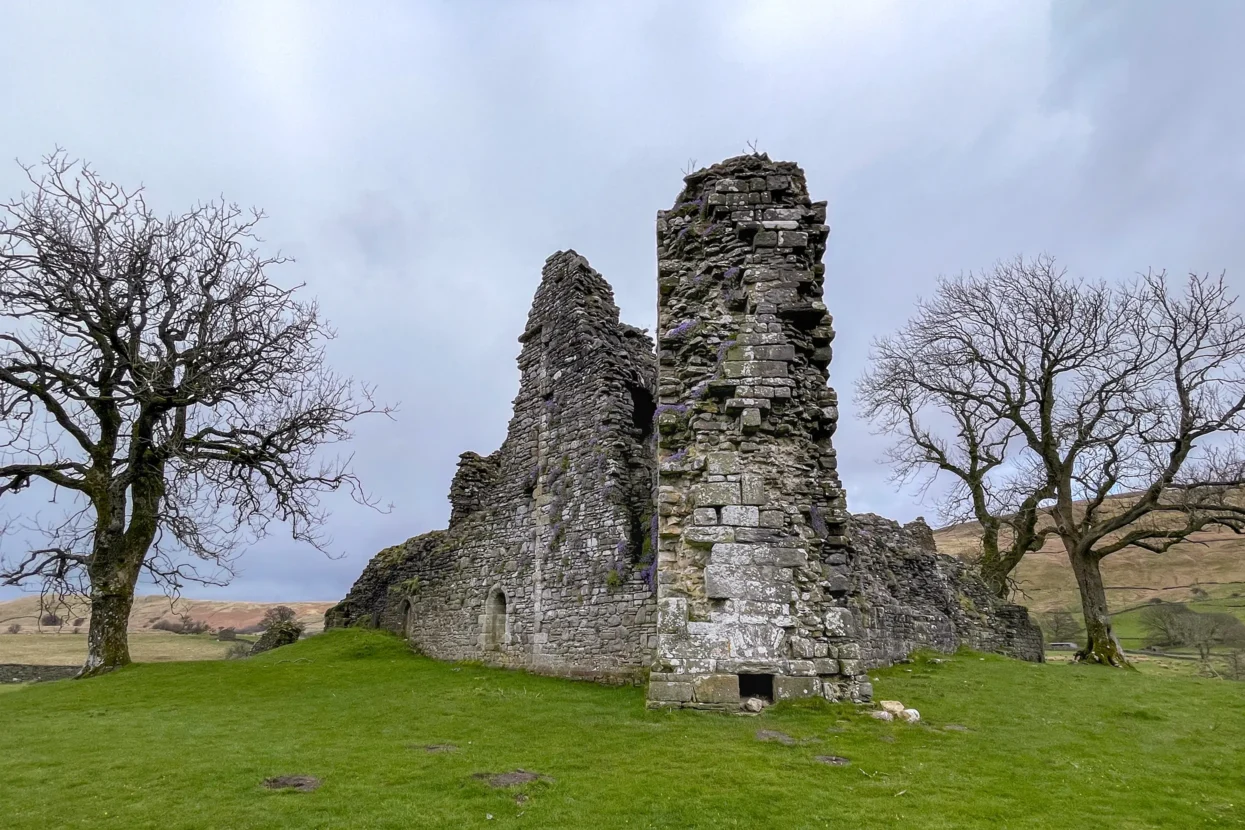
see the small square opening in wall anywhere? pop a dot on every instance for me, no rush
(756, 685)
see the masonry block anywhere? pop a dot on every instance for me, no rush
(793, 688)
(715, 494)
(717, 688)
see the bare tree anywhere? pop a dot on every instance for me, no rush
(159, 390)
(1061, 625)
(1205, 631)
(1042, 397)
(1175, 624)
(277, 614)
(1164, 623)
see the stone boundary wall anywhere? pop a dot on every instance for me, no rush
(24, 673)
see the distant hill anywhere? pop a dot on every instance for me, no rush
(148, 610)
(1212, 561)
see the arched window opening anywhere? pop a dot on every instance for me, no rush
(495, 622)
(408, 619)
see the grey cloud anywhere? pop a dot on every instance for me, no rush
(420, 161)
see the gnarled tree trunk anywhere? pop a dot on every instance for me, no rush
(115, 565)
(996, 566)
(107, 645)
(1102, 646)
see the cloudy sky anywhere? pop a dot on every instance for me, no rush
(420, 161)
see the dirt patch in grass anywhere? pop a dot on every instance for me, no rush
(301, 783)
(775, 736)
(832, 760)
(500, 780)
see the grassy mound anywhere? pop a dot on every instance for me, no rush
(399, 741)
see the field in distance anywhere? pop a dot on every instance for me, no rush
(64, 644)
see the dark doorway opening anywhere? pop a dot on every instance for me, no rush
(643, 408)
(408, 618)
(495, 622)
(757, 685)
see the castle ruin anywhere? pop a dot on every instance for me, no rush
(675, 512)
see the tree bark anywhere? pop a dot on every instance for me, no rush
(115, 565)
(107, 642)
(990, 564)
(996, 567)
(1102, 646)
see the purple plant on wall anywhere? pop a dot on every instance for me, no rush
(731, 272)
(669, 407)
(649, 574)
(678, 456)
(681, 329)
(723, 348)
(620, 570)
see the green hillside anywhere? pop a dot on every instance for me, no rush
(1210, 564)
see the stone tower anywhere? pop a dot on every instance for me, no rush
(753, 569)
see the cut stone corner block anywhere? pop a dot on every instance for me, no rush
(729, 692)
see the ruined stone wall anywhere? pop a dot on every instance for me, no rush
(753, 557)
(545, 564)
(719, 551)
(908, 596)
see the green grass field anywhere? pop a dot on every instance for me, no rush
(188, 745)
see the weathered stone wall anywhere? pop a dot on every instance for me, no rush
(909, 596)
(738, 573)
(22, 673)
(766, 586)
(753, 567)
(545, 564)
